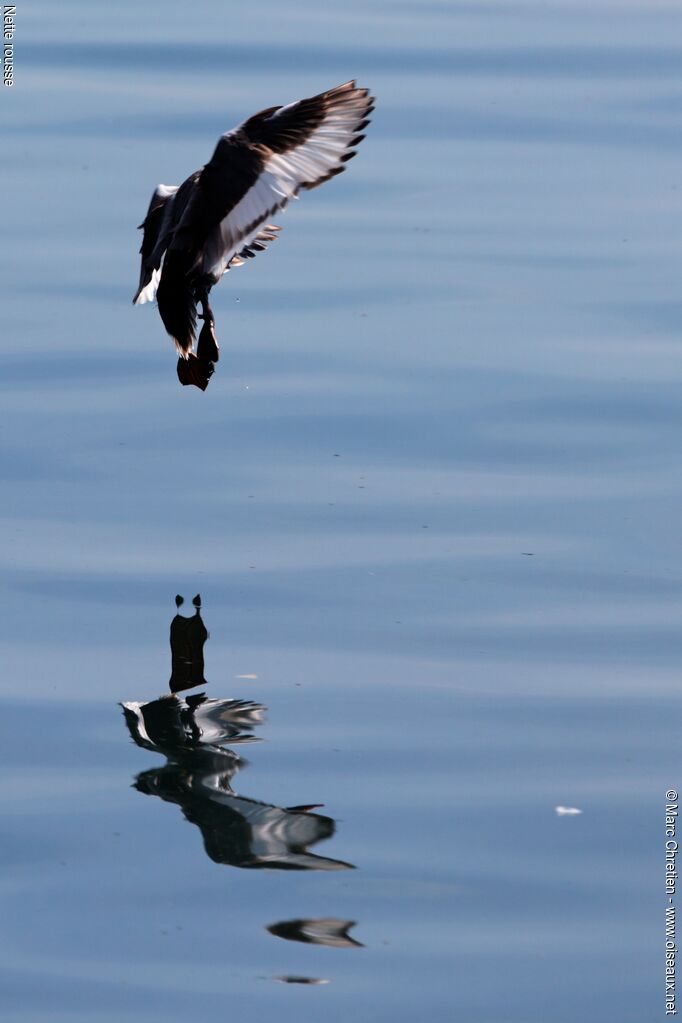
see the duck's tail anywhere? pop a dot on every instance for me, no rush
(175, 297)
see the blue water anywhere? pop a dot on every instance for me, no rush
(431, 500)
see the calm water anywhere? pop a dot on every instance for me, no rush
(431, 500)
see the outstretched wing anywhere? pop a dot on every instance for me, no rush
(220, 215)
(150, 250)
(293, 147)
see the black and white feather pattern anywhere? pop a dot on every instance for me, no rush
(220, 216)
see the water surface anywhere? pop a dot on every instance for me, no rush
(431, 500)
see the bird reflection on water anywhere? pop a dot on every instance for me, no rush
(194, 734)
(325, 931)
(187, 638)
(198, 775)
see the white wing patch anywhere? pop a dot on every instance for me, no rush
(166, 195)
(242, 224)
(320, 157)
(148, 294)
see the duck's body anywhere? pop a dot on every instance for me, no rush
(219, 216)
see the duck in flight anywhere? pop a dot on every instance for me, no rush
(220, 216)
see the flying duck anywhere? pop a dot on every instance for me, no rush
(220, 216)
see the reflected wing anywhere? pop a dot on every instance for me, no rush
(324, 931)
(292, 147)
(152, 247)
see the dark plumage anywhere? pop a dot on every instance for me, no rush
(219, 216)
